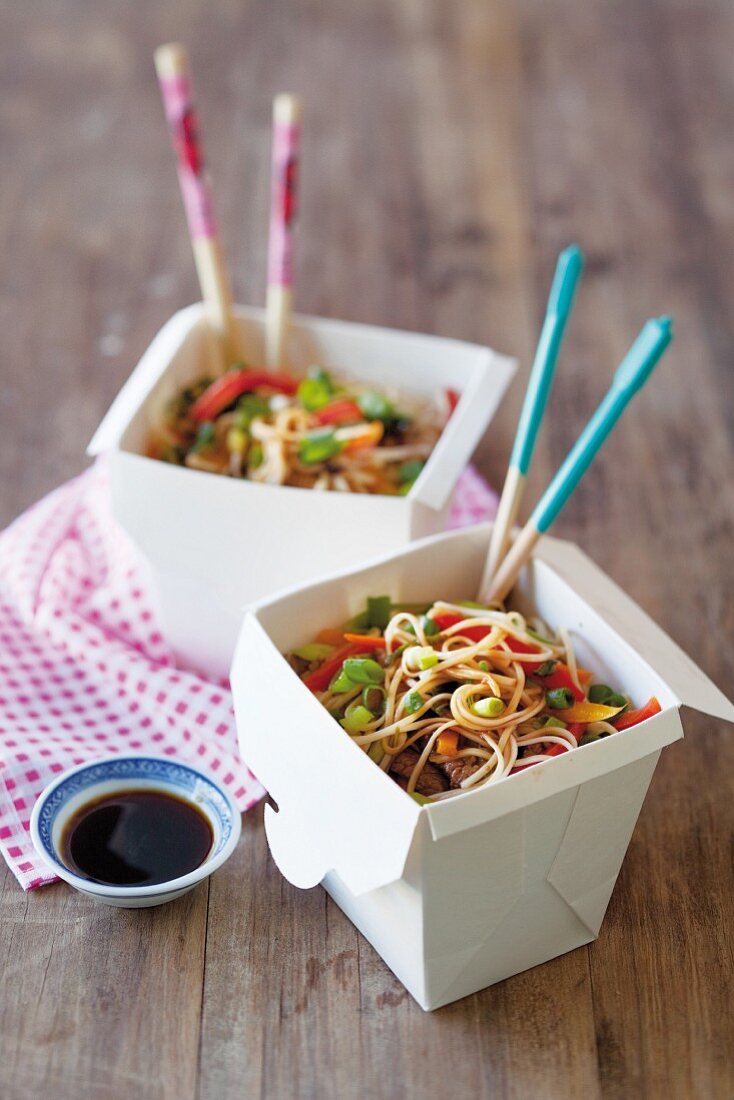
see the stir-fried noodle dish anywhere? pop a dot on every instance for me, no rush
(312, 433)
(450, 697)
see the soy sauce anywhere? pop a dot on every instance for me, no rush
(135, 838)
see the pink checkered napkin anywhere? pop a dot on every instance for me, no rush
(84, 669)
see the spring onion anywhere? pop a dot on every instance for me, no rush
(356, 718)
(413, 702)
(490, 707)
(379, 611)
(363, 670)
(559, 698)
(314, 651)
(373, 698)
(318, 446)
(375, 406)
(421, 657)
(236, 440)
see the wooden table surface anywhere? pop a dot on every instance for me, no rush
(450, 150)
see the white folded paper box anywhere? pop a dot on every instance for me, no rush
(216, 543)
(465, 892)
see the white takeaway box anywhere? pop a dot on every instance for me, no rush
(465, 892)
(216, 543)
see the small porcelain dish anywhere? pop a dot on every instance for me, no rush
(77, 786)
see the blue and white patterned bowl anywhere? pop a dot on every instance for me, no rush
(77, 786)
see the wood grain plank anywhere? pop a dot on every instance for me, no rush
(99, 1003)
(661, 967)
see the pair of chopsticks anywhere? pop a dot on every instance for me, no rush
(502, 565)
(172, 67)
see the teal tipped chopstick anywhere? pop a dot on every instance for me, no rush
(632, 373)
(560, 300)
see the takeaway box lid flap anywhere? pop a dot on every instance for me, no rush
(684, 678)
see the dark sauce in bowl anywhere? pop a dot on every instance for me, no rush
(135, 838)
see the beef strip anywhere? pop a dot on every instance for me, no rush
(430, 780)
(460, 769)
(298, 664)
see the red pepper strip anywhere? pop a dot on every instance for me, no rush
(453, 399)
(634, 717)
(320, 679)
(578, 729)
(476, 633)
(367, 641)
(560, 677)
(449, 618)
(339, 412)
(232, 385)
(555, 750)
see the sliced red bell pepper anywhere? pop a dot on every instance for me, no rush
(634, 717)
(367, 641)
(320, 678)
(450, 618)
(452, 398)
(560, 677)
(476, 633)
(556, 749)
(232, 385)
(339, 412)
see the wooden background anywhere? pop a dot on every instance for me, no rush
(450, 150)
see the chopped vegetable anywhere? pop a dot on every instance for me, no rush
(367, 641)
(452, 399)
(588, 712)
(236, 441)
(343, 411)
(376, 751)
(356, 718)
(430, 626)
(204, 436)
(315, 391)
(447, 743)
(341, 683)
(559, 677)
(330, 637)
(421, 657)
(553, 720)
(413, 702)
(318, 446)
(374, 406)
(410, 471)
(561, 699)
(363, 670)
(634, 717)
(320, 679)
(249, 406)
(379, 611)
(488, 708)
(419, 798)
(232, 385)
(314, 651)
(373, 698)
(602, 693)
(353, 439)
